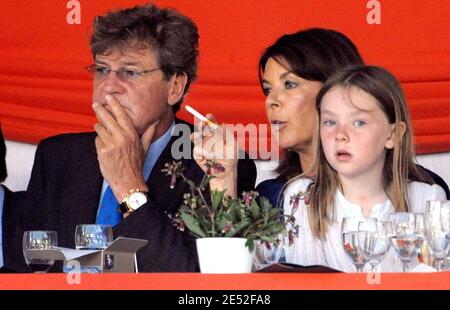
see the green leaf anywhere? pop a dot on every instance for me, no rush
(217, 198)
(236, 209)
(221, 223)
(274, 213)
(250, 244)
(193, 225)
(240, 226)
(265, 205)
(191, 184)
(255, 211)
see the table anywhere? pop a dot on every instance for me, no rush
(197, 281)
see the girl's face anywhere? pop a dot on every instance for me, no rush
(290, 106)
(354, 132)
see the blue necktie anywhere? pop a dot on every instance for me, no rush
(108, 212)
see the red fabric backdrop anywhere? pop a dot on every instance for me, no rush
(44, 89)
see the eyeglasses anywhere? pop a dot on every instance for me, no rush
(123, 74)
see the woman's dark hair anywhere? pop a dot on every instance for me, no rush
(174, 38)
(3, 172)
(313, 54)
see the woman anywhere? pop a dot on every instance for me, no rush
(291, 73)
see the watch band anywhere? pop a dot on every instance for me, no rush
(124, 206)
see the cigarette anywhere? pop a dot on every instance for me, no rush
(201, 117)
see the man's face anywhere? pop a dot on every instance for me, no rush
(144, 98)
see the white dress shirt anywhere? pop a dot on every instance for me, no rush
(307, 250)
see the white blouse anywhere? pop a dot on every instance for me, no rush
(307, 250)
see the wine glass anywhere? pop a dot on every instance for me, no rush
(350, 241)
(437, 231)
(37, 240)
(93, 236)
(447, 226)
(408, 235)
(266, 253)
(374, 240)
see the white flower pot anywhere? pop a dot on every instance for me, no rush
(224, 255)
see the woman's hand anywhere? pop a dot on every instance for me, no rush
(220, 146)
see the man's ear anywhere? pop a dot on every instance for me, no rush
(390, 143)
(177, 85)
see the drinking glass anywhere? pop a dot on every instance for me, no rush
(37, 240)
(408, 236)
(350, 241)
(374, 240)
(266, 254)
(437, 231)
(447, 225)
(93, 236)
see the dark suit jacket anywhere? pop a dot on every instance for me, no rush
(65, 189)
(12, 231)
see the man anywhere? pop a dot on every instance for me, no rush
(10, 225)
(144, 61)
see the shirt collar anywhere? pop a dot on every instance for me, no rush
(345, 208)
(155, 151)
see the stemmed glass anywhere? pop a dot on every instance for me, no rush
(266, 254)
(447, 226)
(37, 240)
(374, 240)
(93, 236)
(408, 235)
(350, 241)
(437, 231)
(446, 223)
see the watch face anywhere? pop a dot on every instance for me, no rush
(136, 200)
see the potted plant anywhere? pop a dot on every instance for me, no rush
(227, 228)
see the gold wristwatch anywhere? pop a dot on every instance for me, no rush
(133, 201)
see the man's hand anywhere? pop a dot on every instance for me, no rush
(221, 146)
(121, 153)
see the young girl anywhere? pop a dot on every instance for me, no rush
(364, 167)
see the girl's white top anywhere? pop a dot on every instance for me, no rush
(308, 250)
